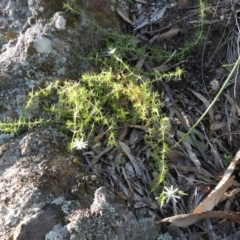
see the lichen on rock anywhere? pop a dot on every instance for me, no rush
(43, 194)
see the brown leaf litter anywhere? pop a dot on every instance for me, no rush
(197, 166)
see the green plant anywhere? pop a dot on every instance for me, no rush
(174, 75)
(103, 102)
(228, 158)
(100, 102)
(108, 100)
(170, 194)
(199, 35)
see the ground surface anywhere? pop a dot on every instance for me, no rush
(206, 48)
(160, 42)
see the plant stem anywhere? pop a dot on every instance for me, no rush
(213, 102)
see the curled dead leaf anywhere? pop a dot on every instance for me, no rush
(168, 35)
(98, 137)
(214, 197)
(185, 220)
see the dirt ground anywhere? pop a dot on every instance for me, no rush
(206, 49)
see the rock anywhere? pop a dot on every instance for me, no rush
(38, 38)
(42, 45)
(43, 193)
(109, 218)
(60, 22)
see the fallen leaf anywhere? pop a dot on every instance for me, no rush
(205, 21)
(185, 220)
(96, 158)
(196, 235)
(206, 103)
(121, 194)
(126, 178)
(98, 137)
(217, 157)
(138, 187)
(127, 151)
(120, 184)
(144, 128)
(162, 68)
(140, 63)
(215, 125)
(141, 1)
(151, 15)
(135, 135)
(203, 174)
(121, 14)
(214, 197)
(192, 155)
(168, 35)
(174, 153)
(189, 140)
(123, 133)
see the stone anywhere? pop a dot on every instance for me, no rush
(44, 194)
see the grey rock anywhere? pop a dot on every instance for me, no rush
(43, 193)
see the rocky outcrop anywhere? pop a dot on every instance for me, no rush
(41, 42)
(45, 192)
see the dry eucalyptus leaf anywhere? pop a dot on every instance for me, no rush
(151, 15)
(189, 140)
(192, 155)
(217, 157)
(123, 133)
(214, 197)
(205, 21)
(185, 220)
(168, 35)
(121, 14)
(98, 137)
(138, 188)
(215, 125)
(135, 135)
(140, 63)
(162, 68)
(121, 194)
(141, 1)
(126, 178)
(175, 153)
(127, 151)
(144, 128)
(206, 103)
(96, 158)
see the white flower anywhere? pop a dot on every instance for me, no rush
(170, 193)
(79, 144)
